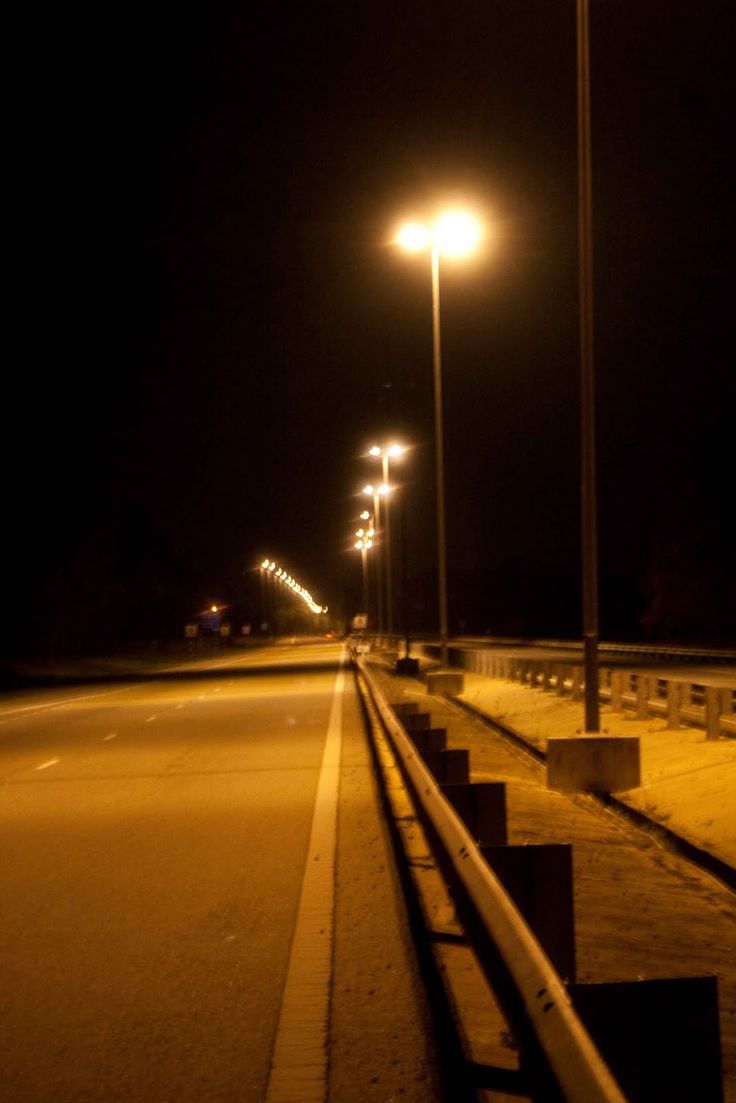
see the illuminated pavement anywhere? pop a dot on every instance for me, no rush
(154, 840)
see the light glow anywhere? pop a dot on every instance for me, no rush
(283, 576)
(414, 237)
(456, 234)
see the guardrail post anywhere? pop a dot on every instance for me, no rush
(416, 722)
(560, 686)
(482, 807)
(546, 677)
(640, 1028)
(617, 689)
(577, 683)
(712, 712)
(538, 878)
(642, 697)
(674, 695)
(450, 767)
(430, 739)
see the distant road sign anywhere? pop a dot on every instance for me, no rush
(191, 631)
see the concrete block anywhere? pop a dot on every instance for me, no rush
(660, 1038)
(450, 682)
(602, 763)
(408, 667)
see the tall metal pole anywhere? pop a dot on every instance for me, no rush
(364, 566)
(589, 519)
(378, 549)
(439, 457)
(387, 552)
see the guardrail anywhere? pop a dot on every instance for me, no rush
(680, 701)
(532, 992)
(644, 651)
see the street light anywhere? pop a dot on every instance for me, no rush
(454, 233)
(385, 454)
(378, 492)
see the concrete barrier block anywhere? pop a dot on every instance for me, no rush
(601, 763)
(450, 682)
(408, 667)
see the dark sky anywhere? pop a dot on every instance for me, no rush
(213, 326)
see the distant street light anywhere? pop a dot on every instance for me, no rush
(453, 234)
(385, 454)
(378, 492)
(364, 543)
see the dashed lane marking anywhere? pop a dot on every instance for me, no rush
(51, 762)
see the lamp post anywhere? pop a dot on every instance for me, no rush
(385, 454)
(589, 508)
(378, 492)
(363, 544)
(453, 234)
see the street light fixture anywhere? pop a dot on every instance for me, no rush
(378, 492)
(455, 233)
(386, 454)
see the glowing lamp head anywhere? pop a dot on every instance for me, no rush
(365, 515)
(374, 451)
(456, 234)
(213, 608)
(368, 489)
(413, 237)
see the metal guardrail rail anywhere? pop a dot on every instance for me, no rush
(643, 651)
(532, 992)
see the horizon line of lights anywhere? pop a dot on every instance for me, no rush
(283, 576)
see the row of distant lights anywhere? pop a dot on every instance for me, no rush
(284, 576)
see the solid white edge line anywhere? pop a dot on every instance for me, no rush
(298, 1072)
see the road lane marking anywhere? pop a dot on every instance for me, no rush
(112, 735)
(48, 705)
(51, 762)
(150, 718)
(299, 1059)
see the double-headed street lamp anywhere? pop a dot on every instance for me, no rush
(363, 544)
(453, 234)
(386, 454)
(378, 492)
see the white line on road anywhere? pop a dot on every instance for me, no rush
(112, 735)
(150, 718)
(299, 1059)
(43, 706)
(51, 762)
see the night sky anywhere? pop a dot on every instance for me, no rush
(213, 325)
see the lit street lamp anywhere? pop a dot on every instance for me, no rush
(453, 234)
(378, 492)
(385, 454)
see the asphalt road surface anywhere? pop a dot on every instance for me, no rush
(154, 839)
